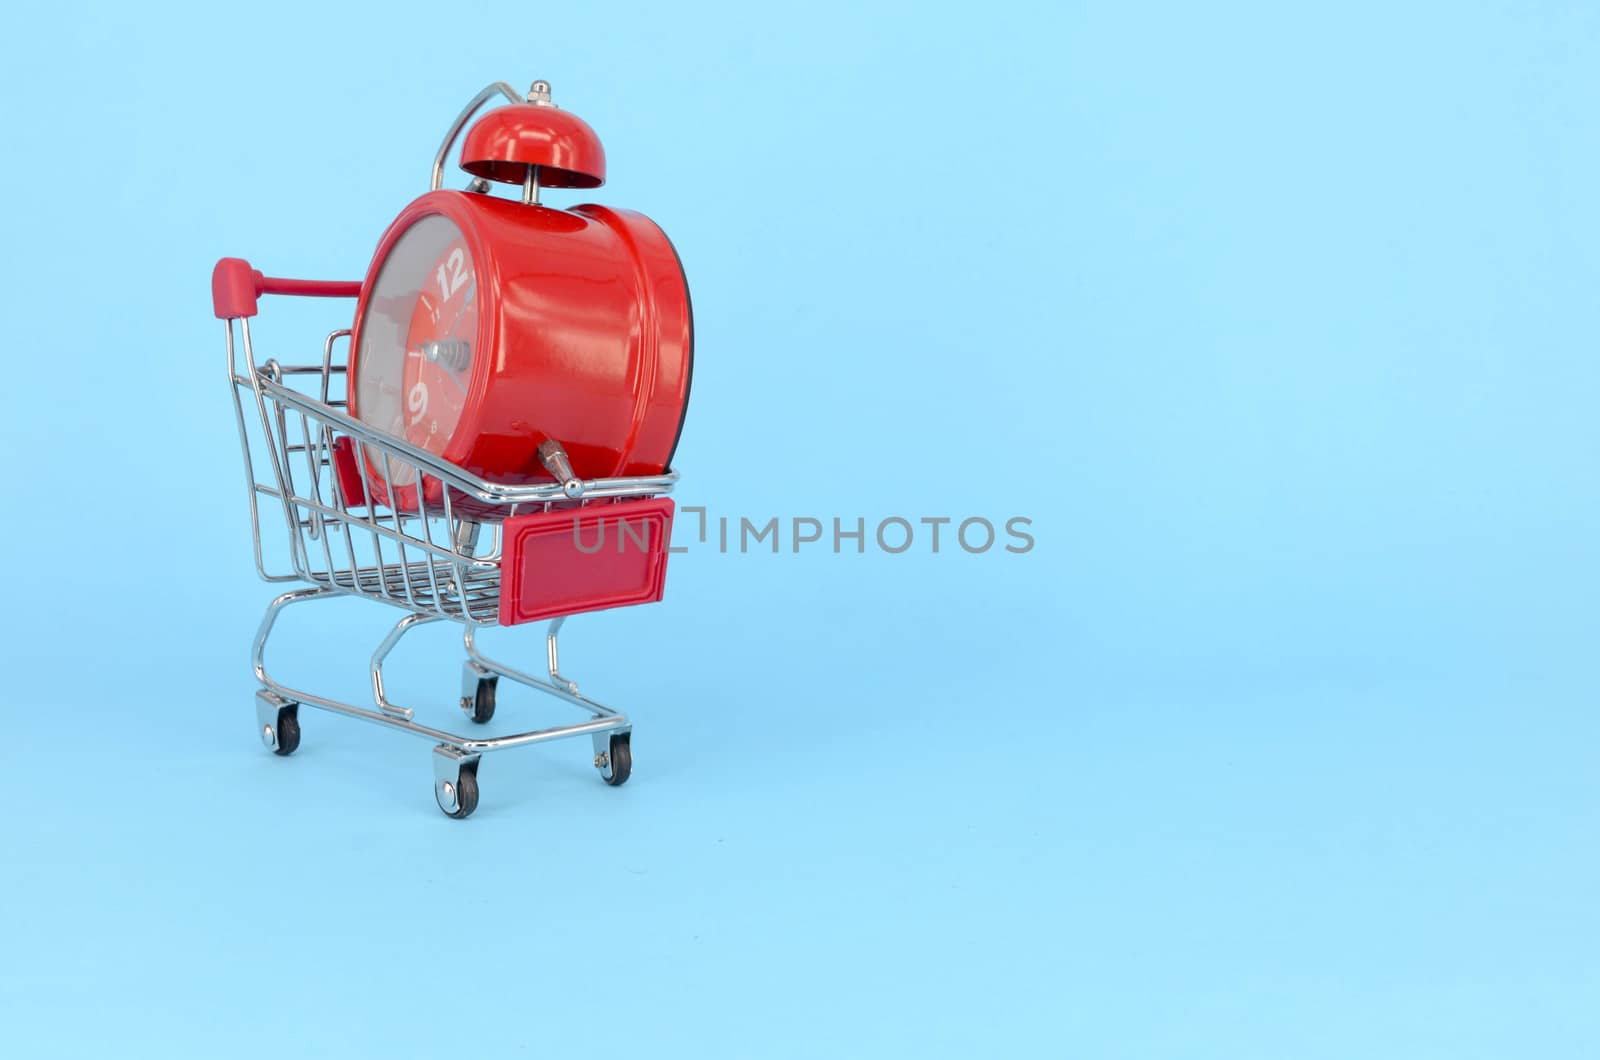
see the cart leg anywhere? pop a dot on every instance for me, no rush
(258, 650)
(277, 716)
(479, 664)
(401, 628)
(455, 780)
(613, 749)
(555, 658)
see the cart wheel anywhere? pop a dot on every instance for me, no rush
(619, 762)
(458, 800)
(288, 732)
(483, 699)
(282, 737)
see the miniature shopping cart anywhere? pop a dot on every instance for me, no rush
(368, 512)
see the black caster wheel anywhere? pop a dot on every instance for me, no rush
(483, 700)
(283, 739)
(619, 762)
(458, 800)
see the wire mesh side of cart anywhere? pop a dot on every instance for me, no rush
(370, 515)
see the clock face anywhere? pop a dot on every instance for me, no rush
(415, 351)
(486, 327)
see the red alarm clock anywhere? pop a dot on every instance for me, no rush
(488, 325)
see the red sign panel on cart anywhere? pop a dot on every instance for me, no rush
(584, 559)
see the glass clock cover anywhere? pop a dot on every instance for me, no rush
(418, 339)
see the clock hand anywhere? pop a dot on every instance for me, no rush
(465, 302)
(454, 353)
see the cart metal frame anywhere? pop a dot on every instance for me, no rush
(434, 550)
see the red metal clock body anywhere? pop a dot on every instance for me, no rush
(486, 325)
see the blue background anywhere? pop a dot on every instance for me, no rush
(1279, 322)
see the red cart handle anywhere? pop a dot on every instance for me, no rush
(235, 286)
